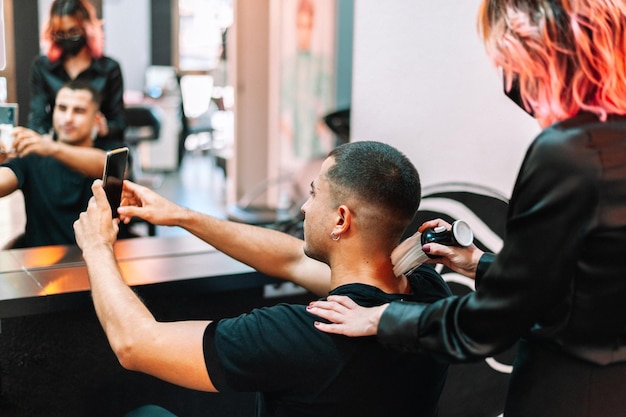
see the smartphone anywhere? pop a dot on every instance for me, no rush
(8, 113)
(114, 175)
(8, 120)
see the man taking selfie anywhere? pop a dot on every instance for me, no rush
(55, 176)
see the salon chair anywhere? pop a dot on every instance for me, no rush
(197, 109)
(143, 123)
(339, 123)
(250, 210)
(287, 217)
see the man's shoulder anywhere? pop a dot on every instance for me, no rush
(428, 285)
(41, 60)
(287, 327)
(23, 163)
(105, 64)
(278, 314)
(37, 167)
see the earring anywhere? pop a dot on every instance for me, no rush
(334, 237)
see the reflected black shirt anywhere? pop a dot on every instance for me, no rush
(54, 197)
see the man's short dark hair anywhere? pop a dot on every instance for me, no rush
(78, 84)
(378, 174)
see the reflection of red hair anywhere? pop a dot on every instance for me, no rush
(85, 14)
(569, 55)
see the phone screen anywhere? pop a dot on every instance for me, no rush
(8, 120)
(8, 113)
(113, 177)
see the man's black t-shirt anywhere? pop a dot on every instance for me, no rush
(54, 197)
(301, 371)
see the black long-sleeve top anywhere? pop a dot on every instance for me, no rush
(560, 278)
(104, 73)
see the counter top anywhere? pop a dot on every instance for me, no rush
(43, 279)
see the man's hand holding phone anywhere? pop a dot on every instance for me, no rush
(95, 227)
(113, 177)
(8, 122)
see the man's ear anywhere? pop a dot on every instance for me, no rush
(343, 220)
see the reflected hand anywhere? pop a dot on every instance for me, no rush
(463, 260)
(346, 317)
(28, 141)
(139, 201)
(96, 226)
(4, 155)
(103, 126)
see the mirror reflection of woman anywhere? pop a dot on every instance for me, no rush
(72, 44)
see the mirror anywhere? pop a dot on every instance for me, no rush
(3, 60)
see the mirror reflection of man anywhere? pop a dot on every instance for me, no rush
(55, 176)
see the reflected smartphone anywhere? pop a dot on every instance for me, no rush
(8, 113)
(114, 175)
(8, 120)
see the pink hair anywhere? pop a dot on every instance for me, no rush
(85, 13)
(569, 55)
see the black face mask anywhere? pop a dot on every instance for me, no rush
(515, 96)
(72, 46)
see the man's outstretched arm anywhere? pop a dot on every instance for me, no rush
(87, 160)
(169, 351)
(268, 251)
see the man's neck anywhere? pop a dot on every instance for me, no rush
(379, 275)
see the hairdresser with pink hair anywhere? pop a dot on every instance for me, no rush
(559, 283)
(72, 40)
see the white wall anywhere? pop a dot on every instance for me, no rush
(127, 38)
(44, 9)
(423, 83)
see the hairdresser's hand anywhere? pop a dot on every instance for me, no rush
(103, 126)
(95, 228)
(463, 260)
(139, 201)
(346, 316)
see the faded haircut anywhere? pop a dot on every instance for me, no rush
(79, 84)
(377, 175)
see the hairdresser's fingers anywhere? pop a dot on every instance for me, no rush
(335, 309)
(337, 303)
(463, 260)
(333, 328)
(436, 256)
(434, 223)
(442, 252)
(343, 301)
(358, 321)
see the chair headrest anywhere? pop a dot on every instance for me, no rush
(144, 119)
